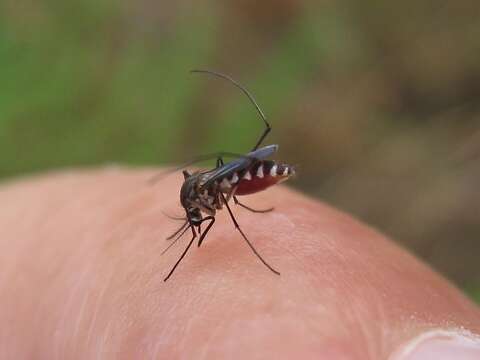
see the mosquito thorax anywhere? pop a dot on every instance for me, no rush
(192, 196)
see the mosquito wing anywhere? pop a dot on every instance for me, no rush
(263, 152)
(226, 170)
(237, 165)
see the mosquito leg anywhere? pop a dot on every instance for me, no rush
(245, 237)
(183, 254)
(232, 192)
(202, 236)
(237, 202)
(219, 161)
(263, 136)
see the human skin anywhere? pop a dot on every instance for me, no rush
(81, 277)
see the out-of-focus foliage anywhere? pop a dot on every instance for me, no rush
(475, 293)
(377, 103)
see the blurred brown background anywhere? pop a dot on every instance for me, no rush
(376, 103)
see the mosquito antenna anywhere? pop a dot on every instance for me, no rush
(174, 217)
(176, 239)
(246, 92)
(179, 230)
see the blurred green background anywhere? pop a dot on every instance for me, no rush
(376, 103)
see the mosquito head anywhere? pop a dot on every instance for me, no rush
(188, 190)
(195, 216)
(194, 201)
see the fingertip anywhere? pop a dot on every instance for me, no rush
(345, 290)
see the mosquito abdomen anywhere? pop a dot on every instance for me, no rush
(260, 176)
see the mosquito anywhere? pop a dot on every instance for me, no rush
(205, 192)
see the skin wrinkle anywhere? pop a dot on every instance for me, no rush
(217, 329)
(96, 309)
(169, 324)
(131, 304)
(216, 289)
(337, 278)
(229, 314)
(101, 352)
(248, 298)
(83, 292)
(373, 348)
(384, 324)
(69, 309)
(210, 344)
(88, 297)
(364, 288)
(114, 231)
(60, 260)
(182, 339)
(79, 319)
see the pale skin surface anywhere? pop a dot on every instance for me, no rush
(81, 277)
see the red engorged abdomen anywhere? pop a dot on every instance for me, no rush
(256, 184)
